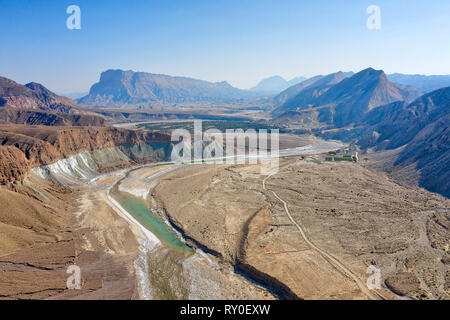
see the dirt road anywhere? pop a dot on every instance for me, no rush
(334, 261)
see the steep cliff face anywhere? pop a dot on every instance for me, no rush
(26, 147)
(13, 164)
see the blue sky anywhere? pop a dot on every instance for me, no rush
(237, 41)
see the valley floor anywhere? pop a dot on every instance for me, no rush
(310, 231)
(316, 227)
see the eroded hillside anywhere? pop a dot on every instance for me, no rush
(26, 147)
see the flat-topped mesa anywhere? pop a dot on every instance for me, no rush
(117, 88)
(25, 147)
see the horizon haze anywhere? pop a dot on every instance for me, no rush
(241, 43)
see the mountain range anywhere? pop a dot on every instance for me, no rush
(294, 94)
(32, 96)
(277, 84)
(365, 108)
(417, 133)
(375, 113)
(340, 99)
(34, 104)
(421, 82)
(420, 131)
(117, 88)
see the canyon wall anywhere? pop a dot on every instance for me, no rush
(25, 147)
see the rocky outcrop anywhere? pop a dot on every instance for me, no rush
(13, 164)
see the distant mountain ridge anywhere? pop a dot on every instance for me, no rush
(398, 123)
(337, 100)
(301, 93)
(117, 88)
(32, 96)
(34, 104)
(421, 82)
(316, 81)
(423, 127)
(275, 84)
(418, 131)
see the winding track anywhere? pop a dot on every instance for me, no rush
(334, 261)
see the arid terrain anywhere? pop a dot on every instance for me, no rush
(309, 231)
(351, 218)
(46, 228)
(77, 190)
(245, 151)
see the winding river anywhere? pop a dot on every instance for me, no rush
(151, 221)
(138, 208)
(164, 275)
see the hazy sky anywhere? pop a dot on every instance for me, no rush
(237, 41)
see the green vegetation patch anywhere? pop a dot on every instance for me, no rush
(221, 125)
(343, 158)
